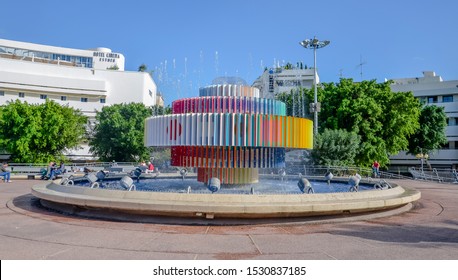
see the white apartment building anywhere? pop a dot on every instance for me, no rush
(431, 89)
(283, 79)
(83, 79)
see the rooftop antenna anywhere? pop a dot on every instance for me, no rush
(360, 65)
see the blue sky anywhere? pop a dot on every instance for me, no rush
(188, 43)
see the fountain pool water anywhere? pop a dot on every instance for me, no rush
(264, 186)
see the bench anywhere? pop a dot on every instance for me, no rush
(29, 171)
(121, 168)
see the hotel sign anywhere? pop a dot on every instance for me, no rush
(106, 57)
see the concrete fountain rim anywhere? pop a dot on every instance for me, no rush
(72, 199)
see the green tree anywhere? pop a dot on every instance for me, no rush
(335, 148)
(142, 68)
(119, 132)
(161, 110)
(40, 133)
(431, 133)
(383, 119)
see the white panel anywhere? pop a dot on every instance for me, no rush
(204, 129)
(182, 129)
(161, 130)
(193, 130)
(151, 126)
(199, 130)
(169, 128)
(163, 133)
(159, 122)
(211, 129)
(188, 129)
(173, 129)
(152, 123)
(176, 123)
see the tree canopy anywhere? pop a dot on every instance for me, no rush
(384, 120)
(40, 133)
(431, 132)
(335, 148)
(119, 133)
(161, 110)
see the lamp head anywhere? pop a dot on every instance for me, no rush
(305, 43)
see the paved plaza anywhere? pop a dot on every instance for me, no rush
(428, 231)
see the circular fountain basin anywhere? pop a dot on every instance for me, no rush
(208, 205)
(264, 186)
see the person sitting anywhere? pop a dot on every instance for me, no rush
(58, 171)
(143, 167)
(150, 167)
(5, 172)
(51, 169)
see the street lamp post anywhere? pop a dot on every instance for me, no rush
(314, 44)
(422, 157)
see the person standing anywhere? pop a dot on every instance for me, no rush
(5, 172)
(376, 168)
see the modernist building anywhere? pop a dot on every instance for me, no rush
(83, 79)
(431, 89)
(283, 79)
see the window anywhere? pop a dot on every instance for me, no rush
(2, 93)
(271, 83)
(63, 98)
(445, 146)
(83, 99)
(21, 95)
(43, 96)
(447, 98)
(102, 100)
(432, 99)
(451, 122)
(150, 93)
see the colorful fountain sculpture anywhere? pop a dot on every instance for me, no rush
(229, 132)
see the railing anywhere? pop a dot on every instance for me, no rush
(438, 175)
(31, 168)
(341, 171)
